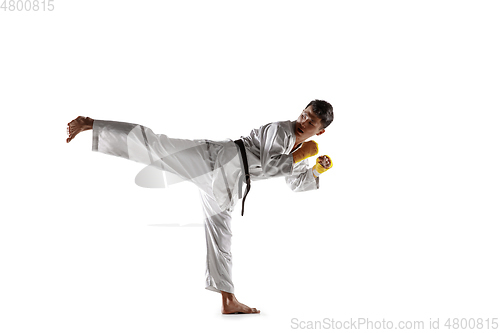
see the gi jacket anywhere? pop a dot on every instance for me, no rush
(269, 154)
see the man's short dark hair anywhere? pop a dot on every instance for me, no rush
(323, 110)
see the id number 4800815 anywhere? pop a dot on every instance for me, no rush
(27, 5)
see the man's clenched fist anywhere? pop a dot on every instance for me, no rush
(323, 163)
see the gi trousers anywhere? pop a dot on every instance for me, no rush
(191, 160)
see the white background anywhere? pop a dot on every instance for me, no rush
(404, 227)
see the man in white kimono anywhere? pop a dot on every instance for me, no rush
(219, 168)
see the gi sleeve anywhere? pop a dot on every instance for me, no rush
(273, 142)
(302, 178)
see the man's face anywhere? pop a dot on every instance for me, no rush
(307, 125)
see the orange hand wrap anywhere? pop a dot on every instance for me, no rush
(319, 169)
(308, 149)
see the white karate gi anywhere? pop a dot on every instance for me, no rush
(216, 168)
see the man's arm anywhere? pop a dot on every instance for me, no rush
(302, 178)
(306, 179)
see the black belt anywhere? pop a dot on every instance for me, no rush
(240, 145)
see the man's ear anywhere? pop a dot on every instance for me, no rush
(321, 132)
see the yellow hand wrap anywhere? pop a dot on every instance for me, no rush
(319, 169)
(308, 149)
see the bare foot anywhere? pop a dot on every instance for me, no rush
(231, 305)
(78, 125)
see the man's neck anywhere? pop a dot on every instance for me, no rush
(296, 145)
